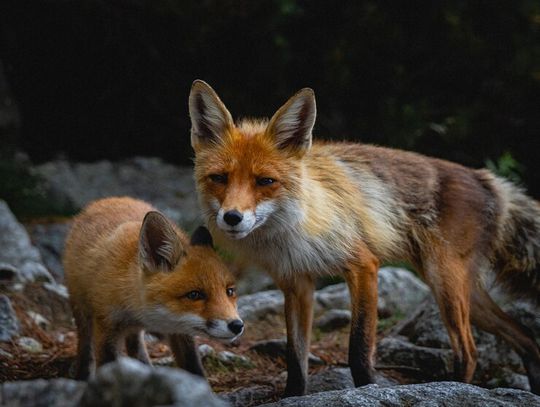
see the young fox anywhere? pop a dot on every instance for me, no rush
(128, 268)
(300, 210)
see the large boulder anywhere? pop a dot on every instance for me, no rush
(400, 292)
(49, 239)
(9, 324)
(41, 393)
(420, 343)
(449, 394)
(128, 382)
(17, 250)
(170, 188)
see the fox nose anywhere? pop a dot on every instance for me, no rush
(233, 218)
(236, 326)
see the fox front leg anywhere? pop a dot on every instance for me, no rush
(185, 353)
(361, 277)
(298, 293)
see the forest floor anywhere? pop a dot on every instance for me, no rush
(59, 343)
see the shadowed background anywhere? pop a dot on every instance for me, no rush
(95, 79)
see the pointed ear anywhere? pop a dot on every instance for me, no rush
(202, 237)
(292, 124)
(160, 248)
(210, 119)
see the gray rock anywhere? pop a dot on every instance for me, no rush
(399, 292)
(399, 354)
(230, 358)
(400, 289)
(39, 319)
(437, 394)
(508, 378)
(206, 350)
(128, 382)
(49, 239)
(249, 396)
(41, 393)
(525, 313)
(340, 378)
(256, 306)
(29, 345)
(171, 189)
(58, 289)
(330, 379)
(9, 323)
(277, 348)
(333, 319)
(335, 296)
(17, 250)
(420, 344)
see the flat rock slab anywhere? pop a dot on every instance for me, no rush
(448, 394)
(41, 393)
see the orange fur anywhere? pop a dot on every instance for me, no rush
(125, 275)
(346, 207)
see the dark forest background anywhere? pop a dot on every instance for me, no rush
(96, 79)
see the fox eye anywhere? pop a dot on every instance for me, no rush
(195, 295)
(231, 291)
(218, 178)
(263, 181)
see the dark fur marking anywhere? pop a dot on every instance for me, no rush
(202, 237)
(359, 355)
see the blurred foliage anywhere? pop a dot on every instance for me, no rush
(110, 78)
(507, 166)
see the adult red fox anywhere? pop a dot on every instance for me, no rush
(128, 268)
(300, 209)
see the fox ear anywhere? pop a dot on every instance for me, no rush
(160, 248)
(292, 124)
(210, 119)
(202, 237)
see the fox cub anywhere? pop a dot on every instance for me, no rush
(128, 268)
(300, 208)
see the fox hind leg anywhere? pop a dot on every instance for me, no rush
(449, 280)
(489, 317)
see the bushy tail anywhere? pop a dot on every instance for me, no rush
(517, 252)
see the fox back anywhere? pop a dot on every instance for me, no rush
(300, 208)
(267, 188)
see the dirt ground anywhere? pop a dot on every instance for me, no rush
(59, 348)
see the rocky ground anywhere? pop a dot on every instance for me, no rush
(37, 340)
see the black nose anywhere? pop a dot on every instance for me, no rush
(233, 217)
(236, 326)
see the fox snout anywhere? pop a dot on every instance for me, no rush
(232, 218)
(225, 329)
(235, 223)
(238, 224)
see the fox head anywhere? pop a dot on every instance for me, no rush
(187, 288)
(249, 174)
